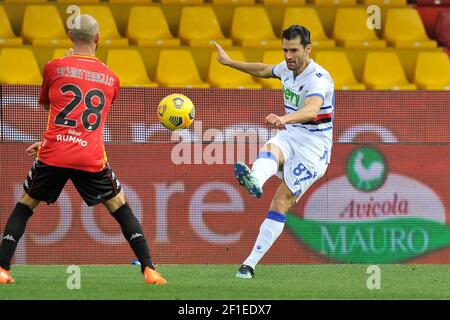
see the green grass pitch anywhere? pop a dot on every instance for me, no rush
(217, 282)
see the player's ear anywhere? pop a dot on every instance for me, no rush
(308, 49)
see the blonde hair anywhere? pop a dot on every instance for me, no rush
(87, 30)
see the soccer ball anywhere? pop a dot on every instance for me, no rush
(176, 111)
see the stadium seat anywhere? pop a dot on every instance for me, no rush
(442, 31)
(447, 51)
(404, 29)
(338, 65)
(109, 35)
(273, 57)
(334, 2)
(198, 26)
(220, 76)
(27, 1)
(251, 28)
(432, 71)
(78, 1)
(308, 17)
(42, 26)
(7, 36)
(183, 2)
(147, 27)
(383, 71)
(129, 67)
(350, 29)
(177, 68)
(429, 16)
(284, 2)
(131, 1)
(390, 3)
(59, 53)
(19, 66)
(233, 2)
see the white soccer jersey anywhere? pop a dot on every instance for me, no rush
(313, 81)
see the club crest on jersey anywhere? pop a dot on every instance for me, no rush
(318, 74)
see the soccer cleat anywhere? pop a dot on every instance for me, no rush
(5, 277)
(246, 178)
(153, 277)
(245, 272)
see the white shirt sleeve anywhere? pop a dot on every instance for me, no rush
(278, 69)
(319, 85)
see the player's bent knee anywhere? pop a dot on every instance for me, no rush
(282, 204)
(28, 201)
(115, 203)
(275, 150)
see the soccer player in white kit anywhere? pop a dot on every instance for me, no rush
(299, 153)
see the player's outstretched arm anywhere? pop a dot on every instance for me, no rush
(256, 69)
(307, 113)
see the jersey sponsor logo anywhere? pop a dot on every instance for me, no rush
(291, 97)
(70, 138)
(75, 133)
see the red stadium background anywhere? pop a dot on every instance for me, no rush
(196, 213)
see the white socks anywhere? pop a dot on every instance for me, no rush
(264, 167)
(269, 231)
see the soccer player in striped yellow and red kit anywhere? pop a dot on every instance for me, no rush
(78, 91)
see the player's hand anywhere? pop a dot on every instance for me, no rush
(274, 121)
(222, 57)
(68, 53)
(33, 149)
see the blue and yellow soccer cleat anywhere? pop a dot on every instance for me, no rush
(245, 272)
(246, 178)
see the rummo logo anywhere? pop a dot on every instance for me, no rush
(371, 215)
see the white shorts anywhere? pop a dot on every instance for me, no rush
(302, 165)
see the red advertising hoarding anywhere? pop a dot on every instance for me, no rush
(385, 197)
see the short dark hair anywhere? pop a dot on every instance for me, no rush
(295, 31)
